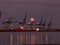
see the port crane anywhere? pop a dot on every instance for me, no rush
(27, 26)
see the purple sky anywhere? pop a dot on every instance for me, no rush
(35, 8)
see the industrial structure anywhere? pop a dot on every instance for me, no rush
(32, 26)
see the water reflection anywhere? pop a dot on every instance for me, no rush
(17, 39)
(46, 36)
(41, 38)
(21, 39)
(11, 39)
(34, 39)
(26, 39)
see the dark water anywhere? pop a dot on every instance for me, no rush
(20, 38)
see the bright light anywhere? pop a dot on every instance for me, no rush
(37, 29)
(21, 27)
(32, 19)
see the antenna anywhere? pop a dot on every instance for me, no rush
(24, 20)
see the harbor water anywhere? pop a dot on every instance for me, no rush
(22, 38)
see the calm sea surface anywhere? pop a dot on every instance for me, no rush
(20, 38)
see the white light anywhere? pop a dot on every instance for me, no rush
(37, 29)
(32, 19)
(21, 27)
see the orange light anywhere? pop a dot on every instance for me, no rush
(32, 19)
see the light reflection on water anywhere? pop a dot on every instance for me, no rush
(20, 38)
(46, 37)
(32, 39)
(25, 39)
(41, 39)
(17, 39)
(11, 39)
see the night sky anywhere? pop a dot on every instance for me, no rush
(34, 8)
